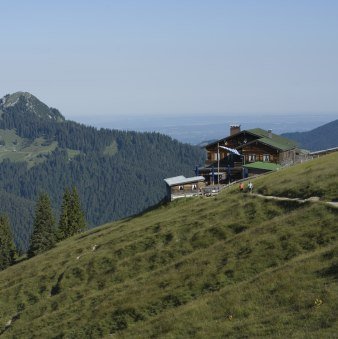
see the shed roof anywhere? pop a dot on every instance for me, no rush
(181, 180)
(329, 150)
(268, 166)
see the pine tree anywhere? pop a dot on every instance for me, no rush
(43, 237)
(72, 219)
(64, 221)
(7, 247)
(78, 219)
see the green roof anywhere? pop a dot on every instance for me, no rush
(268, 166)
(275, 141)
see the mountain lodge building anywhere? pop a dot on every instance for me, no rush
(245, 153)
(240, 155)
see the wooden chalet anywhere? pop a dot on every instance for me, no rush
(182, 187)
(228, 158)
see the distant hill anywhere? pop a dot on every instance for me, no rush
(320, 138)
(117, 173)
(230, 266)
(29, 104)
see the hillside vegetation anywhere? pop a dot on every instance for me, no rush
(17, 149)
(231, 265)
(117, 173)
(316, 178)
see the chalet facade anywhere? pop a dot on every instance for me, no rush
(182, 187)
(245, 152)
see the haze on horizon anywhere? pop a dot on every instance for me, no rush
(129, 58)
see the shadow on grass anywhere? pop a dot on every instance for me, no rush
(331, 271)
(162, 202)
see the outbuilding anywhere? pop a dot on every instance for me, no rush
(182, 187)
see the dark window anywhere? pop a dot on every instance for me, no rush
(252, 157)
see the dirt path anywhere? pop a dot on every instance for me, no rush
(332, 203)
(312, 199)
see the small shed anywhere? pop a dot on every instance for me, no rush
(181, 187)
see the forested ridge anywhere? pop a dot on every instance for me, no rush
(320, 138)
(117, 173)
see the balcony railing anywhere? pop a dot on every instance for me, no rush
(207, 191)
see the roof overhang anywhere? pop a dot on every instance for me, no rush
(260, 141)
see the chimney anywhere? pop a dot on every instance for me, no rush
(234, 129)
(270, 133)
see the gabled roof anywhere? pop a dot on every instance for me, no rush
(268, 166)
(276, 141)
(181, 180)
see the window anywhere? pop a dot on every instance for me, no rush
(181, 188)
(266, 157)
(252, 157)
(194, 187)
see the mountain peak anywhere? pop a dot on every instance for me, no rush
(27, 102)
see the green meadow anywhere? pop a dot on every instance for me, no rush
(33, 152)
(316, 178)
(233, 265)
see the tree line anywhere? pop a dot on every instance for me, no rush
(45, 231)
(111, 186)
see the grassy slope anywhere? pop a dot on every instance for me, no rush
(230, 265)
(21, 149)
(313, 178)
(111, 149)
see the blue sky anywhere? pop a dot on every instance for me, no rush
(110, 58)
